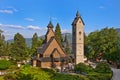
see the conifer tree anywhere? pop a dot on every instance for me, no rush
(2, 44)
(19, 50)
(34, 40)
(58, 35)
(67, 46)
(35, 43)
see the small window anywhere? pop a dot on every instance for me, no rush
(79, 33)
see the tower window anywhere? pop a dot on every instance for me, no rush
(79, 33)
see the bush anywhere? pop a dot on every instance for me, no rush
(82, 68)
(4, 64)
(9, 77)
(103, 68)
(99, 76)
(32, 73)
(68, 77)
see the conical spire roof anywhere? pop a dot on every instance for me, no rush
(77, 14)
(50, 25)
(76, 19)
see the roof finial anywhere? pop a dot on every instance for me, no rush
(77, 14)
(50, 25)
(50, 19)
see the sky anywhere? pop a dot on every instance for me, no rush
(30, 16)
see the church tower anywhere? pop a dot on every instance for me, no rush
(78, 38)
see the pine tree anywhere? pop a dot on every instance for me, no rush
(2, 44)
(19, 50)
(34, 44)
(67, 46)
(58, 35)
(34, 40)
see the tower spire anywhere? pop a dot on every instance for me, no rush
(50, 25)
(77, 14)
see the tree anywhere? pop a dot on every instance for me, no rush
(19, 50)
(66, 45)
(2, 44)
(105, 41)
(35, 43)
(58, 35)
(34, 40)
(92, 44)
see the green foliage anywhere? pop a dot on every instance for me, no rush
(19, 50)
(82, 68)
(2, 78)
(29, 73)
(66, 45)
(103, 68)
(34, 40)
(9, 77)
(4, 64)
(105, 41)
(2, 45)
(35, 43)
(58, 35)
(69, 77)
(99, 76)
(101, 72)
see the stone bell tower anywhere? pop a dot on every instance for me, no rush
(78, 38)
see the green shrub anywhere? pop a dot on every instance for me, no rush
(49, 71)
(68, 77)
(4, 64)
(99, 76)
(103, 68)
(32, 73)
(9, 77)
(81, 67)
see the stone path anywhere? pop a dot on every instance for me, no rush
(116, 74)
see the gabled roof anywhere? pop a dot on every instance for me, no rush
(77, 18)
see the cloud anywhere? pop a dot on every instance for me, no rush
(6, 11)
(31, 27)
(12, 26)
(15, 26)
(65, 31)
(12, 8)
(29, 19)
(101, 7)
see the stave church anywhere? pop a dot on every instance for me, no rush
(51, 55)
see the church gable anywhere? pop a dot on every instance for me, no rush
(49, 34)
(51, 45)
(55, 53)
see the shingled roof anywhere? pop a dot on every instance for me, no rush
(77, 18)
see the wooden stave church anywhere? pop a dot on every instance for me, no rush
(51, 54)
